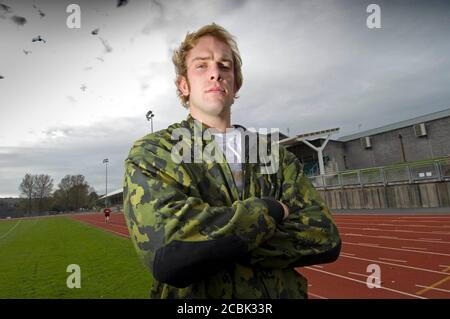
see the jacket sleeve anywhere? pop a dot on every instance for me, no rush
(308, 235)
(181, 238)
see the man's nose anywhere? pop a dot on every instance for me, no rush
(215, 73)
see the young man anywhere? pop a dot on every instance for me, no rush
(107, 213)
(221, 229)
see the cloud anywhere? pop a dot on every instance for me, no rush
(73, 150)
(308, 65)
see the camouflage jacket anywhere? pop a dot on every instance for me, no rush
(200, 240)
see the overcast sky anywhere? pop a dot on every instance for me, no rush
(77, 98)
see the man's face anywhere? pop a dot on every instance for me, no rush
(210, 77)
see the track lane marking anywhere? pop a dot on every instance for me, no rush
(428, 240)
(365, 283)
(438, 289)
(389, 259)
(317, 296)
(401, 249)
(420, 248)
(426, 226)
(355, 273)
(397, 230)
(437, 283)
(398, 265)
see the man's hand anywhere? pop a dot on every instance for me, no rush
(286, 210)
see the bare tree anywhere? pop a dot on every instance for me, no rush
(27, 188)
(79, 191)
(43, 189)
(64, 192)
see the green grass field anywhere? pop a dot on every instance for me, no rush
(35, 253)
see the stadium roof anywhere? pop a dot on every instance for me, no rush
(397, 125)
(290, 141)
(117, 191)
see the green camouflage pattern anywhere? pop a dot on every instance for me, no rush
(197, 202)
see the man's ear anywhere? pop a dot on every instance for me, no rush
(183, 85)
(235, 91)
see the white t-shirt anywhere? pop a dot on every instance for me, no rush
(230, 144)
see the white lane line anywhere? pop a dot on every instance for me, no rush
(369, 244)
(317, 296)
(389, 259)
(398, 265)
(11, 229)
(415, 217)
(424, 240)
(444, 266)
(391, 225)
(439, 232)
(347, 254)
(364, 283)
(400, 249)
(396, 230)
(355, 273)
(317, 266)
(392, 218)
(407, 247)
(365, 220)
(439, 289)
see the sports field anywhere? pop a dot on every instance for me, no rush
(412, 253)
(35, 253)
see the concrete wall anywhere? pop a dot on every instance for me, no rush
(386, 147)
(336, 152)
(421, 195)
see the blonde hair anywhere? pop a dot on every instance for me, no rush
(180, 54)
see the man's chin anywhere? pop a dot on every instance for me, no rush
(215, 109)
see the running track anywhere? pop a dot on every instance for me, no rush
(412, 252)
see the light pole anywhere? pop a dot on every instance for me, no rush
(149, 117)
(105, 161)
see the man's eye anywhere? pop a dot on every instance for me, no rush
(201, 66)
(224, 66)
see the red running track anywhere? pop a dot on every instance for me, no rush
(411, 251)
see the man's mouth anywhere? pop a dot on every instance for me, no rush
(216, 90)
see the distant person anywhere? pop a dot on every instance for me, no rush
(107, 213)
(221, 229)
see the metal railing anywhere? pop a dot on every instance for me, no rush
(437, 170)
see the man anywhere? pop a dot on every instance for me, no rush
(221, 229)
(107, 213)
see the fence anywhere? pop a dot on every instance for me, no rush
(437, 170)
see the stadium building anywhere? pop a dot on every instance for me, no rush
(400, 165)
